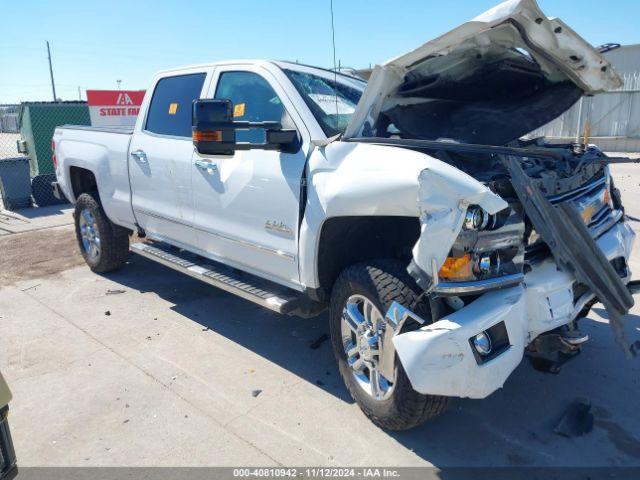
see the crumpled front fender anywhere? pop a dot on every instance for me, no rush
(444, 195)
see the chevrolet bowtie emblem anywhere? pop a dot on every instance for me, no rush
(587, 214)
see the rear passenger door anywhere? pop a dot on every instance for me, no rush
(160, 159)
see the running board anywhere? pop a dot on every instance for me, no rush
(274, 297)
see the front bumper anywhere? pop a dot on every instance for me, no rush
(439, 358)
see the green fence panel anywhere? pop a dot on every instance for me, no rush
(38, 120)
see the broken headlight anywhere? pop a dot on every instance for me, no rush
(488, 246)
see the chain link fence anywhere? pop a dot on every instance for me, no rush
(26, 163)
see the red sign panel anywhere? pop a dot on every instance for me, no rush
(114, 107)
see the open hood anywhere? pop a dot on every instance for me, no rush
(488, 81)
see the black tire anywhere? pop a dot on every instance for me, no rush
(382, 282)
(114, 240)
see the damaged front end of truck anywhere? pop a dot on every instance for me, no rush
(515, 262)
(518, 237)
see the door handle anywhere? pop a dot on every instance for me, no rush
(139, 155)
(204, 165)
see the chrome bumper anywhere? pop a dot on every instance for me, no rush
(439, 358)
(448, 289)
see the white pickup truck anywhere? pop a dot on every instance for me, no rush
(445, 246)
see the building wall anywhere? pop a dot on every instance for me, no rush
(613, 117)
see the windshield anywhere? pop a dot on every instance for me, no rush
(331, 103)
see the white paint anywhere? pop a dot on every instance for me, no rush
(444, 195)
(438, 358)
(482, 34)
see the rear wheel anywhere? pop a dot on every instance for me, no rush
(360, 296)
(103, 245)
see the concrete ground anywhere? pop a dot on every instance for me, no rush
(148, 367)
(31, 219)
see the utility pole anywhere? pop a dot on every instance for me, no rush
(79, 93)
(119, 82)
(53, 84)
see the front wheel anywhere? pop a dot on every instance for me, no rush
(360, 297)
(103, 245)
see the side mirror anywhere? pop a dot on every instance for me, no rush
(214, 130)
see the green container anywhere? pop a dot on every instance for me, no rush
(38, 120)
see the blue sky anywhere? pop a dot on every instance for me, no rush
(95, 43)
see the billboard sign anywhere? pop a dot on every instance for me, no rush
(108, 108)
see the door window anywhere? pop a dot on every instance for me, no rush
(254, 100)
(171, 104)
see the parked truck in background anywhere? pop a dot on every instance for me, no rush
(445, 246)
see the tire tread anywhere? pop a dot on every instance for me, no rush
(392, 283)
(114, 240)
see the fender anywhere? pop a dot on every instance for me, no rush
(358, 179)
(108, 165)
(444, 195)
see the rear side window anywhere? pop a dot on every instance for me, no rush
(171, 104)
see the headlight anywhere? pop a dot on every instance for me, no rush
(488, 246)
(475, 219)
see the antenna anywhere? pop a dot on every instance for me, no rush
(335, 71)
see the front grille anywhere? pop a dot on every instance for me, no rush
(619, 264)
(579, 192)
(600, 217)
(596, 211)
(593, 204)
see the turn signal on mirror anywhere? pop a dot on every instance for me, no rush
(207, 136)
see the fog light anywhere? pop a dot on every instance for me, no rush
(482, 343)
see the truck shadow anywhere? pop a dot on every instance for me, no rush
(513, 427)
(302, 346)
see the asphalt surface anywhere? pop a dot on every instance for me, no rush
(145, 367)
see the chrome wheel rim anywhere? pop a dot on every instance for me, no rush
(89, 234)
(361, 328)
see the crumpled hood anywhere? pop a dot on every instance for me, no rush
(488, 81)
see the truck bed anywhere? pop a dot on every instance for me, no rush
(124, 130)
(102, 152)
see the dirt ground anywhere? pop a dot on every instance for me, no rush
(41, 253)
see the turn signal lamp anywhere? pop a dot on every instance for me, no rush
(606, 197)
(457, 268)
(207, 136)
(54, 159)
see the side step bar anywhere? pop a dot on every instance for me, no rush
(274, 297)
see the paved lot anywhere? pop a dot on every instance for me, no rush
(31, 219)
(148, 367)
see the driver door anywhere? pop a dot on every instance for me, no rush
(247, 204)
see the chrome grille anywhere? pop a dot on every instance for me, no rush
(590, 200)
(593, 204)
